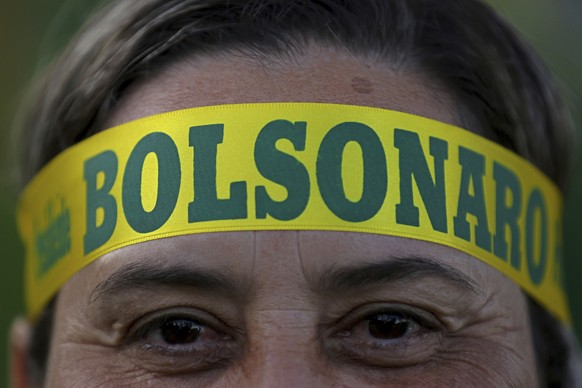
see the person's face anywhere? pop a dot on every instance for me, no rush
(285, 308)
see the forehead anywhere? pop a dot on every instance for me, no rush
(320, 75)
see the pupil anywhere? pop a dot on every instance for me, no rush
(387, 326)
(180, 331)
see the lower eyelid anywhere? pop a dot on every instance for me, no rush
(192, 359)
(184, 350)
(401, 353)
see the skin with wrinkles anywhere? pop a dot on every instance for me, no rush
(273, 306)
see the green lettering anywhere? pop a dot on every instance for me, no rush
(536, 205)
(169, 175)
(329, 171)
(54, 242)
(204, 139)
(507, 215)
(283, 169)
(413, 163)
(473, 170)
(99, 198)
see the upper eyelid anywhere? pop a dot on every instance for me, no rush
(147, 327)
(146, 322)
(424, 318)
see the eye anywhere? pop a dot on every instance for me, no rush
(389, 326)
(178, 331)
(182, 340)
(386, 327)
(386, 336)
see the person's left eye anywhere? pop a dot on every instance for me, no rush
(386, 336)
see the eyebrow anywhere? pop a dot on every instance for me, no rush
(332, 280)
(391, 270)
(147, 275)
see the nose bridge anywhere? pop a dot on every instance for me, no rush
(285, 351)
(283, 319)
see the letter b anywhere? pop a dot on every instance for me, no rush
(99, 198)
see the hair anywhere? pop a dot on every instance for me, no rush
(500, 86)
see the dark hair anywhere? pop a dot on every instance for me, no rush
(501, 88)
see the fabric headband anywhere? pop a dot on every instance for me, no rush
(292, 166)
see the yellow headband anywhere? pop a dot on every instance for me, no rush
(292, 166)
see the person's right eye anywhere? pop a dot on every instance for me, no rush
(184, 337)
(179, 333)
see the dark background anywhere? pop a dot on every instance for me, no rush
(33, 31)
